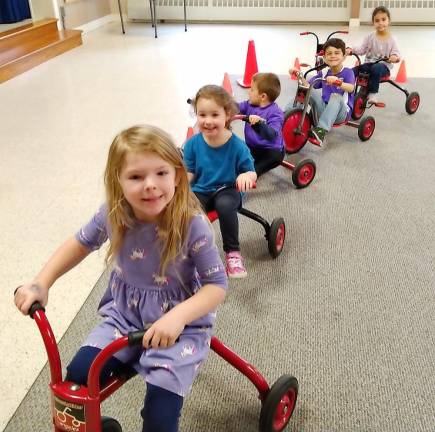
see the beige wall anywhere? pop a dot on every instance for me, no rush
(115, 8)
(80, 12)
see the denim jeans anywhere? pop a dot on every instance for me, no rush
(375, 71)
(335, 111)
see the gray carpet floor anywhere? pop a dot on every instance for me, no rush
(349, 306)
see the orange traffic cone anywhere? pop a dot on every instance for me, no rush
(296, 66)
(190, 132)
(401, 74)
(251, 67)
(226, 84)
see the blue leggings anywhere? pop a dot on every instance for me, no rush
(162, 408)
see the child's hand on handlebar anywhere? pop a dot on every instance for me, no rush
(253, 119)
(164, 332)
(393, 58)
(246, 181)
(28, 294)
(348, 51)
(333, 80)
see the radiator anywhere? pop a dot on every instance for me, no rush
(405, 11)
(244, 10)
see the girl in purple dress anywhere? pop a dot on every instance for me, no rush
(167, 275)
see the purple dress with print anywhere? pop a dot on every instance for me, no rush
(137, 296)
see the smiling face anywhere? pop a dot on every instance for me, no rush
(334, 57)
(148, 184)
(212, 119)
(381, 22)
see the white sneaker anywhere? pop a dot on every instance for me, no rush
(373, 98)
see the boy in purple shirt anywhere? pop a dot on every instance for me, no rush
(332, 103)
(263, 130)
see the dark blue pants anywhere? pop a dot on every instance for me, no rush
(376, 71)
(162, 408)
(266, 159)
(226, 203)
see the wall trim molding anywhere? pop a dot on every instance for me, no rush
(354, 22)
(93, 25)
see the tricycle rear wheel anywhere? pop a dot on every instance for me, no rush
(304, 173)
(279, 404)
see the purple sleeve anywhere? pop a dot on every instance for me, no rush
(348, 76)
(94, 233)
(243, 107)
(204, 253)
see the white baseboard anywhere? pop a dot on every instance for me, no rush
(354, 22)
(93, 25)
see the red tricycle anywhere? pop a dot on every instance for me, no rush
(77, 408)
(318, 56)
(361, 102)
(299, 120)
(274, 232)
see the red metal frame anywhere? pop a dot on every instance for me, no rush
(87, 400)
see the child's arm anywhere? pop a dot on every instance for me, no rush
(362, 49)
(190, 176)
(246, 181)
(189, 160)
(205, 256)
(394, 55)
(262, 128)
(165, 331)
(67, 256)
(345, 86)
(297, 73)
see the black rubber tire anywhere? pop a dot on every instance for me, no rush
(274, 240)
(359, 105)
(412, 103)
(109, 424)
(366, 128)
(304, 173)
(284, 385)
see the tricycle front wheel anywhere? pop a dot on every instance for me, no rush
(109, 424)
(294, 140)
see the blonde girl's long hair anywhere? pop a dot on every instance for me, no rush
(173, 222)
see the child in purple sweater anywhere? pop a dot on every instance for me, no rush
(263, 130)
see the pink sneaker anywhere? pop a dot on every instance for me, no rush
(234, 265)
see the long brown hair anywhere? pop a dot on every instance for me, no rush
(174, 220)
(221, 97)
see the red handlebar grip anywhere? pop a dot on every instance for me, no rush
(303, 33)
